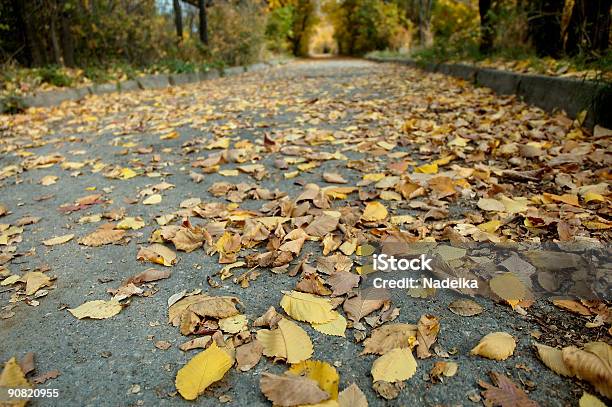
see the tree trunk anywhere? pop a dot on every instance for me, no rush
(66, 35)
(203, 22)
(486, 27)
(589, 27)
(425, 34)
(178, 19)
(545, 26)
(55, 46)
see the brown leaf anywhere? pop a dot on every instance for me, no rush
(364, 303)
(248, 355)
(289, 390)
(390, 336)
(505, 393)
(465, 308)
(102, 237)
(148, 276)
(342, 282)
(42, 378)
(352, 396)
(593, 364)
(427, 333)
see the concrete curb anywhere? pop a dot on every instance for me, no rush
(548, 92)
(55, 97)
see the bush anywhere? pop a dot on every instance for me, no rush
(237, 32)
(365, 25)
(53, 75)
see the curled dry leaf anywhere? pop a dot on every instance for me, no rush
(428, 328)
(374, 211)
(288, 341)
(204, 306)
(201, 342)
(553, 359)
(396, 365)
(593, 364)
(289, 390)
(54, 241)
(496, 345)
(202, 370)
(322, 372)
(158, 254)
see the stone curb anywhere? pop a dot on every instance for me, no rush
(547, 92)
(55, 97)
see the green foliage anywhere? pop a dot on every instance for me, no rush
(365, 25)
(279, 28)
(11, 104)
(54, 75)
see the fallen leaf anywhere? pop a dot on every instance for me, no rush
(496, 345)
(307, 307)
(248, 355)
(97, 309)
(58, 240)
(202, 370)
(158, 254)
(505, 393)
(553, 359)
(396, 365)
(288, 341)
(465, 307)
(588, 400)
(374, 211)
(352, 396)
(289, 390)
(390, 336)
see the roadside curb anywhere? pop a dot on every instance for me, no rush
(547, 92)
(154, 81)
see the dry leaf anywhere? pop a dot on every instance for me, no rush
(307, 307)
(158, 254)
(58, 240)
(593, 364)
(202, 370)
(352, 396)
(335, 327)
(322, 372)
(288, 341)
(465, 308)
(588, 400)
(97, 309)
(289, 390)
(396, 365)
(374, 211)
(13, 377)
(496, 345)
(390, 336)
(248, 355)
(504, 393)
(102, 237)
(428, 328)
(553, 359)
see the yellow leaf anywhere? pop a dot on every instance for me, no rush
(35, 280)
(374, 211)
(48, 180)
(127, 173)
(496, 345)
(321, 372)
(12, 377)
(235, 324)
(58, 240)
(375, 177)
(229, 173)
(588, 400)
(292, 174)
(97, 309)
(307, 307)
(490, 226)
(508, 286)
(202, 370)
(152, 200)
(335, 327)
(288, 341)
(394, 366)
(593, 196)
(427, 169)
(307, 166)
(223, 143)
(169, 136)
(131, 223)
(553, 359)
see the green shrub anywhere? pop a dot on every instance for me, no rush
(53, 75)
